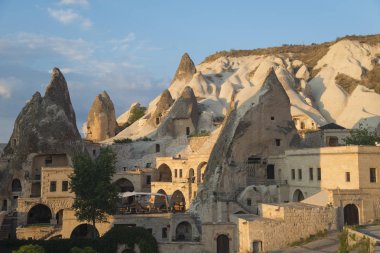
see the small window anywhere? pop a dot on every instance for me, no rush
(254, 160)
(249, 202)
(187, 130)
(348, 177)
(278, 142)
(5, 205)
(148, 165)
(293, 174)
(311, 174)
(372, 175)
(299, 174)
(124, 168)
(158, 148)
(94, 152)
(53, 186)
(319, 174)
(180, 173)
(148, 179)
(157, 121)
(65, 186)
(272, 118)
(164, 233)
(14, 142)
(49, 160)
(175, 173)
(150, 230)
(302, 125)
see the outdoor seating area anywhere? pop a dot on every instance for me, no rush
(143, 203)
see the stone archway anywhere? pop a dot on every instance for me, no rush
(39, 214)
(84, 231)
(160, 201)
(351, 215)
(59, 217)
(298, 196)
(164, 173)
(16, 185)
(177, 201)
(222, 244)
(124, 185)
(184, 232)
(191, 176)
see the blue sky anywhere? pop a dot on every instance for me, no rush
(131, 48)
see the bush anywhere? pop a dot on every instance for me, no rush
(84, 250)
(200, 134)
(30, 248)
(119, 141)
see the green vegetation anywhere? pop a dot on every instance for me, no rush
(30, 248)
(343, 242)
(302, 241)
(357, 244)
(200, 134)
(135, 114)
(362, 136)
(121, 141)
(96, 196)
(144, 139)
(83, 250)
(371, 80)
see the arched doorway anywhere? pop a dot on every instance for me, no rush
(164, 173)
(298, 196)
(351, 215)
(222, 244)
(177, 201)
(39, 214)
(201, 172)
(16, 185)
(59, 217)
(124, 185)
(184, 232)
(84, 231)
(191, 175)
(160, 202)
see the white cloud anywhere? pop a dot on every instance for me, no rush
(74, 2)
(69, 16)
(6, 85)
(4, 91)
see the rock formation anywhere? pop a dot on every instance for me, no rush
(125, 118)
(162, 107)
(45, 124)
(185, 70)
(101, 120)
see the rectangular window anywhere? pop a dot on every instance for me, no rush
(164, 232)
(249, 202)
(53, 186)
(158, 148)
(348, 177)
(278, 142)
(293, 174)
(372, 175)
(299, 174)
(94, 152)
(150, 230)
(65, 186)
(311, 174)
(148, 179)
(180, 173)
(187, 130)
(319, 174)
(175, 173)
(48, 160)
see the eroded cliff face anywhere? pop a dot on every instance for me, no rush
(265, 128)
(162, 107)
(101, 120)
(45, 125)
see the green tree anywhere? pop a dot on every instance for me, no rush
(362, 136)
(96, 196)
(30, 248)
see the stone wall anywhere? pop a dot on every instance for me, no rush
(293, 222)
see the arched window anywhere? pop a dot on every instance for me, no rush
(39, 214)
(84, 231)
(222, 244)
(164, 173)
(16, 185)
(183, 232)
(124, 185)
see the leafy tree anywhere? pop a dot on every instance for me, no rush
(362, 136)
(30, 248)
(84, 250)
(96, 196)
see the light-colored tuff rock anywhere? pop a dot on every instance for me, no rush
(303, 73)
(125, 117)
(185, 72)
(164, 103)
(101, 121)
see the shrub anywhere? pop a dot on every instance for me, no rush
(84, 250)
(119, 141)
(30, 248)
(200, 134)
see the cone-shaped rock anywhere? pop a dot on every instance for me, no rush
(101, 120)
(45, 124)
(162, 106)
(185, 70)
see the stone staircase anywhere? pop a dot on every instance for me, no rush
(7, 228)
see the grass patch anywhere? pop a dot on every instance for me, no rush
(371, 80)
(122, 141)
(200, 134)
(302, 241)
